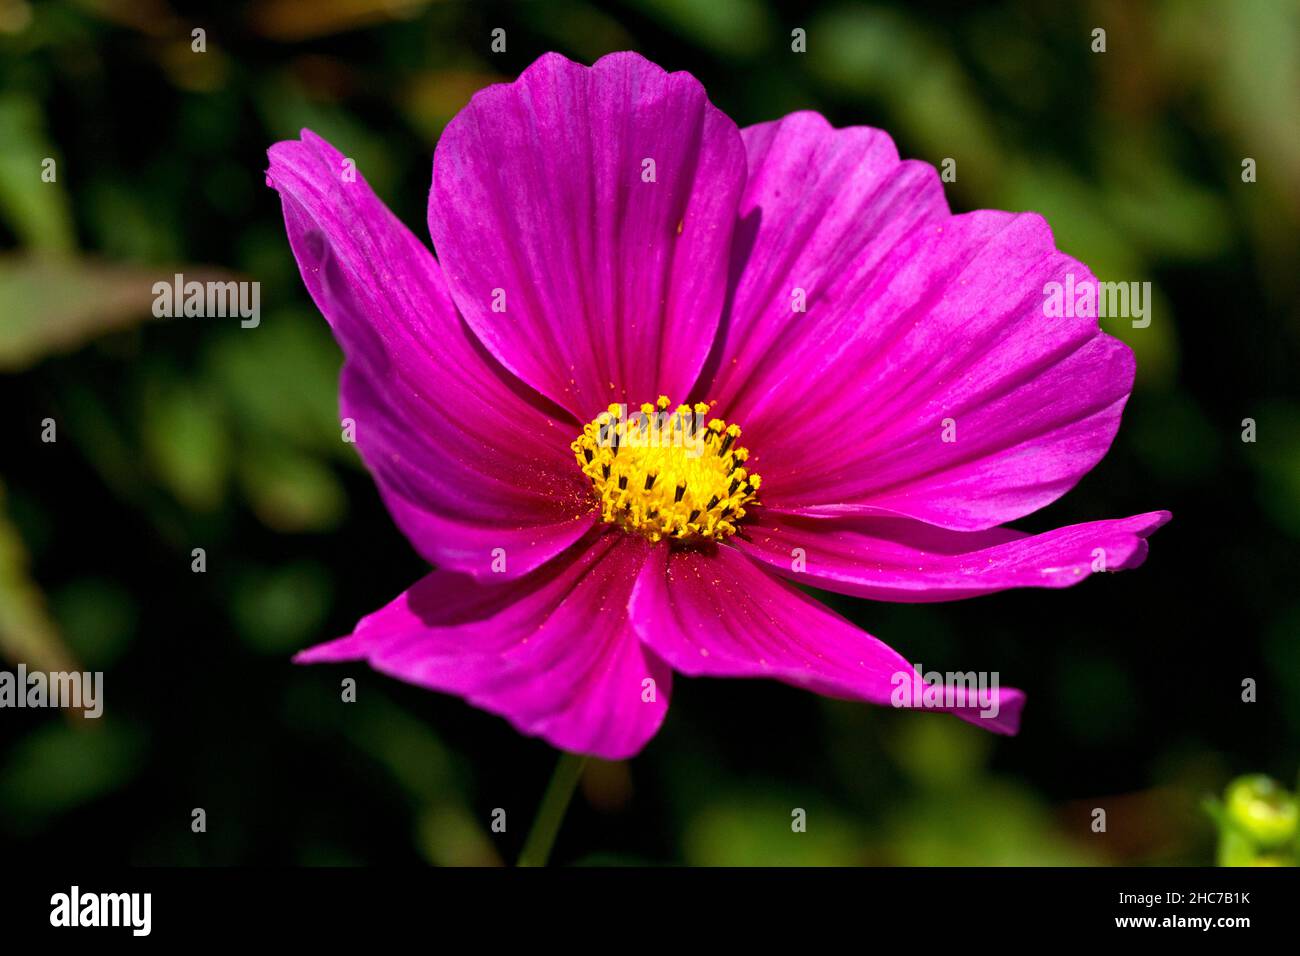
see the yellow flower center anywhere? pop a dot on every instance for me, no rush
(667, 474)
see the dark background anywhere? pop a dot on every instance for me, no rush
(183, 433)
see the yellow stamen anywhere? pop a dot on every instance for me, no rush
(667, 475)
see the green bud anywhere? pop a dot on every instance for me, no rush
(1262, 810)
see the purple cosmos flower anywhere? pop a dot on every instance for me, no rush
(553, 408)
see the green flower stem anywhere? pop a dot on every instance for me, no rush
(537, 848)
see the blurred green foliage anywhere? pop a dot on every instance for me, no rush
(177, 434)
(1257, 823)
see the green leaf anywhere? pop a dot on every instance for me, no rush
(282, 383)
(292, 492)
(37, 210)
(731, 28)
(53, 304)
(278, 610)
(186, 441)
(27, 632)
(757, 829)
(60, 766)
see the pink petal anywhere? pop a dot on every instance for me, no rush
(718, 614)
(822, 207)
(466, 459)
(612, 285)
(942, 321)
(553, 652)
(898, 559)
